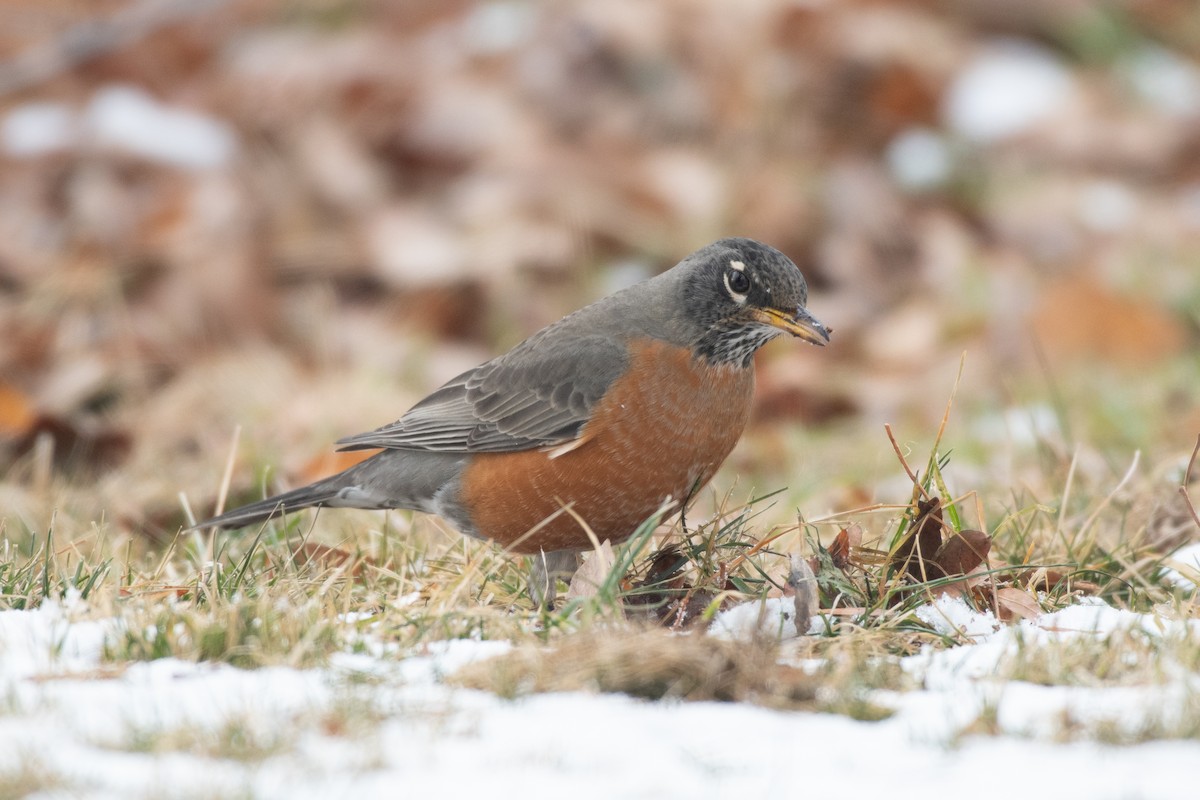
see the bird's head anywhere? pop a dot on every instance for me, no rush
(738, 294)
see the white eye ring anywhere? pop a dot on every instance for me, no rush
(738, 297)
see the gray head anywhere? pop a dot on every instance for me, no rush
(738, 294)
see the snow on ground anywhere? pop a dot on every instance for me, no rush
(64, 712)
(1007, 89)
(1187, 559)
(125, 119)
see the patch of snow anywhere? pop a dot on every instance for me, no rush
(498, 27)
(1007, 89)
(407, 599)
(34, 129)
(128, 119)
(445, 658)
(950, 615)
(1166, 80)
(427, 736)
(45, 641)
(919, 159)
(774, 617)
(1028, 709)
(1091, 616)
(125, 119)
(1186, 570)
(1024, 426)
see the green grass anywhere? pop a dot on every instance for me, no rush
(295, 593)
(34, 572)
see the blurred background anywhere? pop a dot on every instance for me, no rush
(299, 216)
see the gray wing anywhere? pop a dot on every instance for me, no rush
(539, 394)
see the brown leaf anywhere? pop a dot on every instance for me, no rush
(592, 572)
(77, 448)
(16, 411)
(790, 389)
(667, 563)
(1078, 317)
(663, 581)
(689, 610)
(900, 95)
(1046, 579)
(450, 312)
(1013, 604)
(839, 549)
(971, 583)
(963, 552)
(914, 555)
(781, 401)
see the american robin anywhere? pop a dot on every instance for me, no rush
(615, 412)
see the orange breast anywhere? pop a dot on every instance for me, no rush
(651, 438)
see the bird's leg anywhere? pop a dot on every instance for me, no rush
(687, 501)
(544, 571)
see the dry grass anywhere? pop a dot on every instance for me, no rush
(161, 307)
(296, 592)
(32, 777)
(244, 739)
(650, 664)
(1122, 658)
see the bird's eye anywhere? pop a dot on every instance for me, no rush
(737, 282)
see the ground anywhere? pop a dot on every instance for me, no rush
(233, 232)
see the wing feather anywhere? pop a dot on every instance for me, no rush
(540, 394)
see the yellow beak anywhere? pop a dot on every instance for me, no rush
(801, 323)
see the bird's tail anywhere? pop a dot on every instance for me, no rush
(316, 494)
(388, 479)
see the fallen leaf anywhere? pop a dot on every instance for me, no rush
(1013, 604)
(663, 581)
(592, 572)
(963, 552)
(667, 563)
(16, 411)
(914, 555)
(779, 399)
(970, 583)
(1046, 579)
(1078, 317)
(689, 610)
(844, 544)
(77, 448)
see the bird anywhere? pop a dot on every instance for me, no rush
(616, 413)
